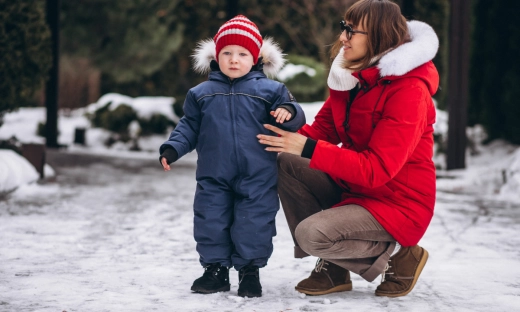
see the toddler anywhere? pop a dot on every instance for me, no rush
(236, 198)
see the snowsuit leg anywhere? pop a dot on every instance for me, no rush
(213, 217)
(253, 227)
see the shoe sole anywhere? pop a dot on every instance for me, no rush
(420, 267)
(339, 288)
(249, 295)
(212, 291)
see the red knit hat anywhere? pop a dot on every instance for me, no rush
(239, 31)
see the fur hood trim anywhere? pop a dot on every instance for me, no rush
(421, 49)
(273, 58)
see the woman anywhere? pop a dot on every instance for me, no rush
(381, 178)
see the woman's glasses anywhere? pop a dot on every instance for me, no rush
(350, 31)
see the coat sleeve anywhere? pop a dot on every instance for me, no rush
(184, 137)
(284, 97)
(323, 127)
(393, 140)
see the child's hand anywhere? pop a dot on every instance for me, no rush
(165, 165)
(281, 115)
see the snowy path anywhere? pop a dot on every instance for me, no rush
(116, 235)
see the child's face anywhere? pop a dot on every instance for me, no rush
(235, 61)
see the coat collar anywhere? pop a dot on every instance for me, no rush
(397, 62)
(220, 76)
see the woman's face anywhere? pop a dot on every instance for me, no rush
(355, 48)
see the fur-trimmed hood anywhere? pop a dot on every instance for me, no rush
(272, 56)
(421, 49)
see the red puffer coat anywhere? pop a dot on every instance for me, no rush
(384, 162)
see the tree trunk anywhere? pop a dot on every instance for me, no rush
(457, 98)
(51, 88)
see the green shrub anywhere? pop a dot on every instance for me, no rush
(304, 87)
(96, 118)
(25, 52)
(178, 106)
(157, 124)
(116, 120)
(40, 130)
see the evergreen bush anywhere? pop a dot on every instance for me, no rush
(25, 52)
(305, 87)
(40, 129)
(116, 120)
(157, 124)
(178, 106)
(126, 40)
(97, 117)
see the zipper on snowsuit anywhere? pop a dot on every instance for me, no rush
(233, 121)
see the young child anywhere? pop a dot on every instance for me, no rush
(236, 199)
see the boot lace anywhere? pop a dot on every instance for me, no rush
(385, 271)
(248, 270)
(212, 269)
(320, 265)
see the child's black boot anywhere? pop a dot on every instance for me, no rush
(249, 282)
(214, 279)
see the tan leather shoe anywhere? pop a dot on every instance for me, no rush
(326, 278)
(402, 271)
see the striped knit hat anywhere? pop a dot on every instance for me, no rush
(239, 31)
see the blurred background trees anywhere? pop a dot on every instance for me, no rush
(495, 69)
(123, 41)
(95, 32)
(25, 52)
(143, 47)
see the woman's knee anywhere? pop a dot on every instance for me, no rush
(310, 237)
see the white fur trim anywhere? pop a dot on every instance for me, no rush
(397, 62)
(340, 78)
(204, 53)
(273, 58)
(420, 50)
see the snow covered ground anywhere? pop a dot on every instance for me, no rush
(113, 232)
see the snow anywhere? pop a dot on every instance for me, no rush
(145, 106)
(291, 70)
(15, 171)
(115, 233)
(494, 174)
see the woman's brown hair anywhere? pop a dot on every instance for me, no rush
(385, 24)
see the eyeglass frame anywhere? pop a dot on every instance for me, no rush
(350, 31)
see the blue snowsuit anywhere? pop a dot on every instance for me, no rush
(236, 199)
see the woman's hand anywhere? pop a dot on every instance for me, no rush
(288, 142)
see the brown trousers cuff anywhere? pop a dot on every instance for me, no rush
(299, 253)
(379, 265)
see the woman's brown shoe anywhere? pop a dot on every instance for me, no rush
(402, 271)
(326, 278)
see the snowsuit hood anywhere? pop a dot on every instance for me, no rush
(272, 58)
